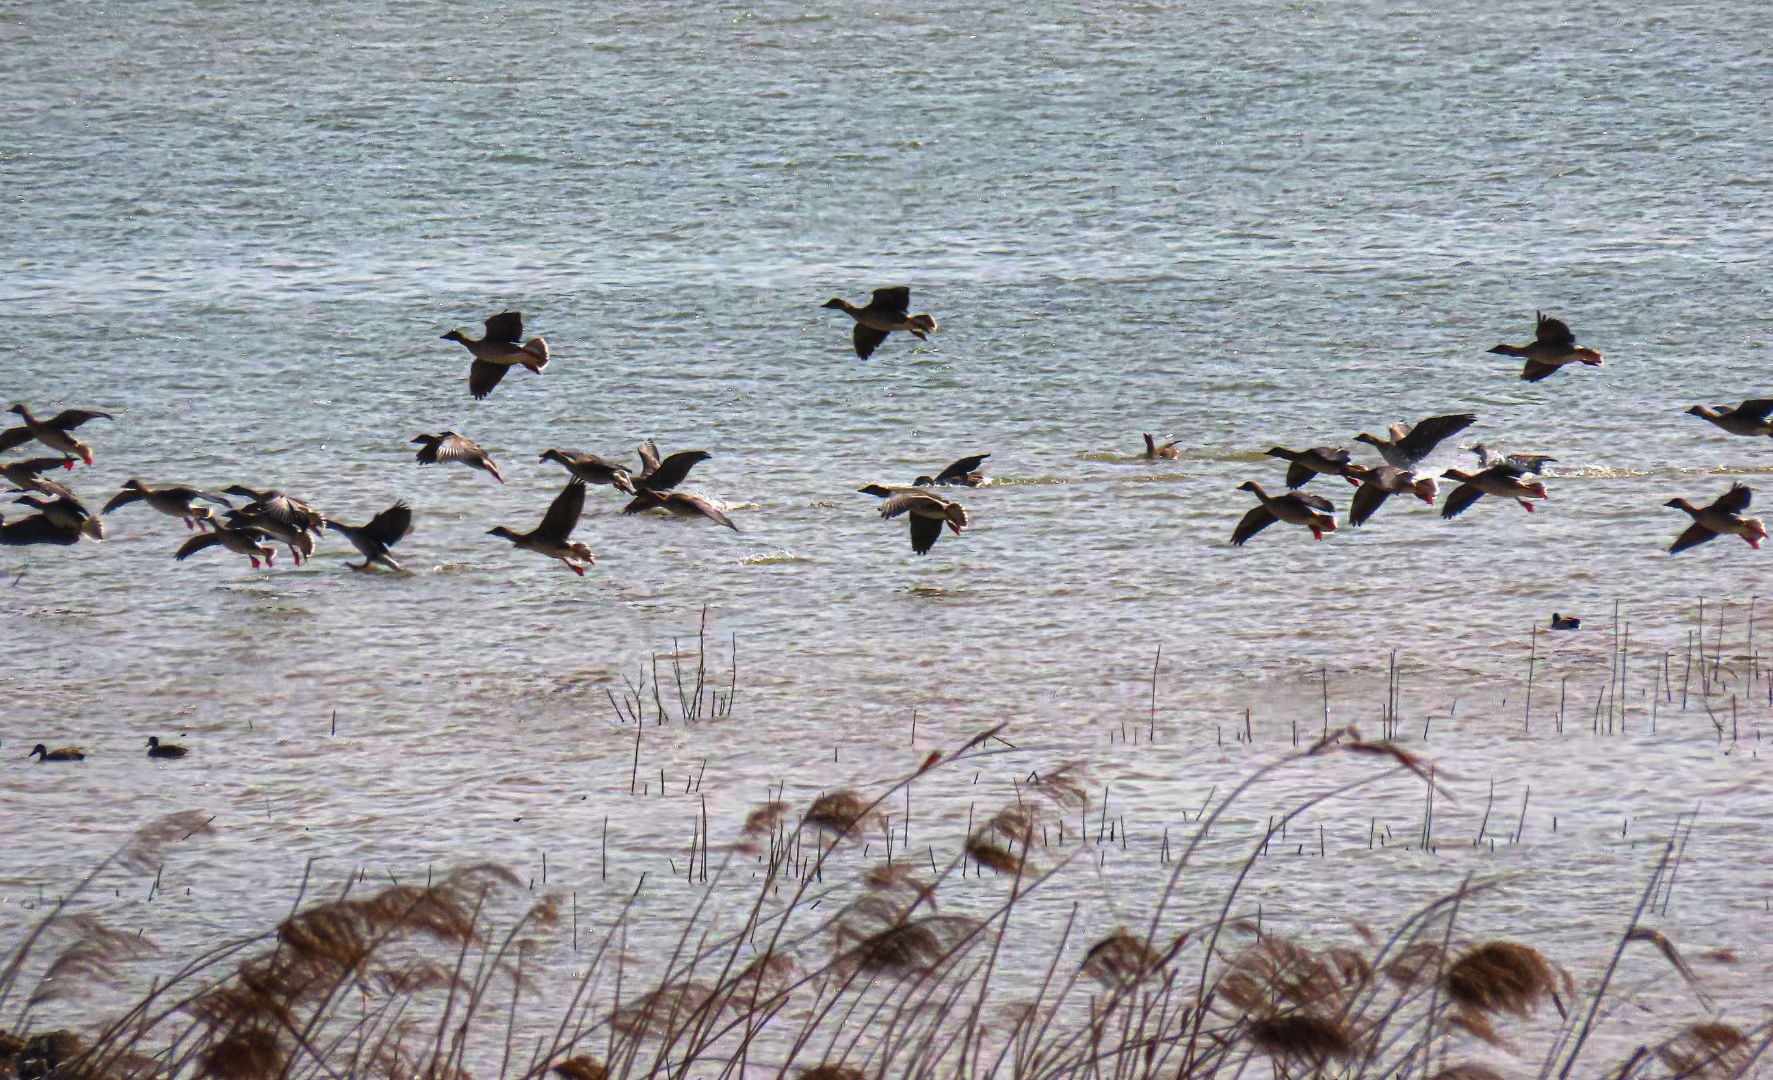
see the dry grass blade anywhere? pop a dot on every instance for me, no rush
(1707, 1050)
(1301, 1037)
(1666, 947)
(838, 812)
(91, 957)
(1415, 962)
(582, 1067)
(1501, 976)
(147, 848)
(660, 1011)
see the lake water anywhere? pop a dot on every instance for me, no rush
(242, 229)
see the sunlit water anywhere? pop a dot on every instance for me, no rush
(242, 229)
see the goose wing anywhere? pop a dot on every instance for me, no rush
(1314, 502)
(35, 466)
(1734, 501)
(1534, 371)
(482, 377)
(1550, 331)
(36, 529)
(1460, 500)
(909, 501)
(963, 468)
(195, 544)
(674, 469)
(1757, 408)
(1299, 474)
(69, 419)
(1253, 522)
(1692, 536)
(895, 300)
(563, 513)
(649, 457)
(505, 326)
(390, 526)
(19, 436)
(704, 507)
(1367, 501)
(925, 531)
(275, 504)
(867, 339)
(122, 498)
(642, 501)
(458, 448)
(1424, 437)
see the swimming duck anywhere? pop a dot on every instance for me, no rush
(1748, 418)
(593, 469)
(1533, 463)
(1723, 515)
(299, 541)
(68, 513)
(1308, 463)
(656, 475)
(67, 753)
(500, 350)
(1408, 445)
(158, 749)
(1565, 622)
(678, 504)
(1153, 451)
(273, 503)
(27, 475)
(887, 310)
(1377, 485)
(928, 513)
(36, 529)
(1295, 508)
(452, 447)
(242, 541)
(962, 473)
(1553, 347)
(374, 538)
(1504, 480)
(171, 501)
(551, 537)
(52, 432)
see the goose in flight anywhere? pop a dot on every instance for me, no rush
(1533, 463)
(36, 529)
(172, 501)
(1377, 485)
(27, 475)
(962, 473)
(1406, 446)
(656, 475)
(54, 432)
(888, 310)
(678, 504)
(276, 504)
(1504, 480)
(1749, 418)
(1309, 463)
(67, 513)
(449, 446)
(1722, 515)
(500, 350)
(553, 536)
(242, 541)
(1553, 346)
(1295, 508)
(592, 469)
(373, 539)
(927, 512)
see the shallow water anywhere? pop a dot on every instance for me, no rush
(243, 230)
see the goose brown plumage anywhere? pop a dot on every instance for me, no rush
(500, 350)
(1153, 450)
(27, 475)
(1504, 480)
(678, 504)
(449, 446)
(68, 513)
(1329, 461)
(1406, 444)
(887, 310)
(928, 512)
(171, 501)
(1553, 346)
(1750, 418)
(1722, 515)
(374, 538)
(234, 538)
(962, 473)
(54, 432)
(1314, 512)
(592, 469)
(1374, 486)
(553, 536)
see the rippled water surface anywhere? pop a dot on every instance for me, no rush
(242, 228)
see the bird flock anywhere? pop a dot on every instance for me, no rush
(1517, 476)
(267, 517)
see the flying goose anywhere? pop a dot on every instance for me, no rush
(552, 536)
(1308, 463)
(242, 541)
(298, 540)
(928, 513)
(27, 475)
(1533, 463)
(452, 447)
(373, 539)
(1408, 445)
(1295, 508)
(593, 469)
(158, 749)
(1748, 418)
(1153, 451)
(1723, 515)
(1377, 485)
(1553, 347)
(67, 513)
(502, 348)
(1504, 480)
(52, 432)
(277, 505)
(171, 501)
(679, 504)
(36, 529)
(67, 753)
(962, 473)
(887, 311)
(656, 475)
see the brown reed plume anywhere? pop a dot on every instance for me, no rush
(1707, 1050)
(581, 1067)
(1502, 977)
(838, 812)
